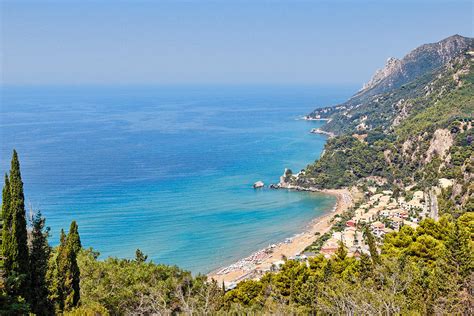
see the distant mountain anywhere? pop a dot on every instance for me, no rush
(375, 104)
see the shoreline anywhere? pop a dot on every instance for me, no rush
(261, 261)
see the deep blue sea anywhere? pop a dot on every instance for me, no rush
(167, 169)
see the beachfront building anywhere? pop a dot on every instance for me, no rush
(330, 247)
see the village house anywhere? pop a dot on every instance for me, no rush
(351, 223)
(378, 228)
(330, 247)
(396, 222)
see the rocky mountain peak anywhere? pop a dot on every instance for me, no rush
(419, 61)
(391, 66)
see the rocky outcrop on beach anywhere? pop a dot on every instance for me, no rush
(291, 181)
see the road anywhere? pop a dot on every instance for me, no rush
(433, 205)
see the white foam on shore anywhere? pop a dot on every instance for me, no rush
(249, 263)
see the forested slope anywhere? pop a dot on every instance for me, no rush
(411, 136)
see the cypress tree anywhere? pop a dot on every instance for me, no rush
(61, 268)
(6, 229)
(39, 255)
(460, 251)
(68, 270)
(73, 247)
(74, 238)
(365, 266)
(341, 252)
(15, 244)
(372, 246)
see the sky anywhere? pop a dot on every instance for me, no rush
(209, 42)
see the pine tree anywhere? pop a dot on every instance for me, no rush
(140, 257)
(39, 255)
(460, 251)
(15, 244)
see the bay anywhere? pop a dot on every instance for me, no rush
(167, 169)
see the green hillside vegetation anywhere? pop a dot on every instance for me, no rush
(434, 111)
(345, 160)
(450, 104)
(420, 272)
(379, 111)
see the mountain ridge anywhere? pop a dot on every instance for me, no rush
(400, 71)
(421, 64)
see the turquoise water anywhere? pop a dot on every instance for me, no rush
(167, 169)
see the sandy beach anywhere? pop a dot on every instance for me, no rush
(259, 262)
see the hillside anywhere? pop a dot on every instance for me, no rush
(410, 136)
(418, 62)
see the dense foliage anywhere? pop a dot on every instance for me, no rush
(345, 161)
(394, 149)
(423, 271)
(138, 287)
(34, 279)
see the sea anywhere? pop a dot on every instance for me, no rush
(167, 169)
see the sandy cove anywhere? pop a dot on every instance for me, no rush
(262, 260)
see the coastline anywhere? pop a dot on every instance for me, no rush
(320, 131)
(310, 118)
(258, 263)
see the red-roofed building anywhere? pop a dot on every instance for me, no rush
(351, 223)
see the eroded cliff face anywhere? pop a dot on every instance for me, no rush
(440, 144)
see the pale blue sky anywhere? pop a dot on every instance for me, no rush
(154, 42)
